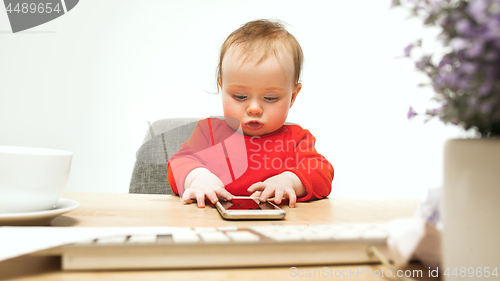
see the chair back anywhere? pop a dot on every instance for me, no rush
(163, 139)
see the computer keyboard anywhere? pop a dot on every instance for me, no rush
(202, 247)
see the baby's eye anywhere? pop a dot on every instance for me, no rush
(271, 98)
(239, 97)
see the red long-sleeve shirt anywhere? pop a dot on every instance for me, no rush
(240, 161)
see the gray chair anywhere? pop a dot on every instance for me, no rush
(163, 139)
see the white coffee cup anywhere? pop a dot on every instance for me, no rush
(32, 179)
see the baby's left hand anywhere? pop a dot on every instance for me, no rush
(281, 186)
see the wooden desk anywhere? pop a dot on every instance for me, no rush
(100, 209)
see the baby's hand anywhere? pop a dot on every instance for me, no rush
(201, 183)
(281, 186)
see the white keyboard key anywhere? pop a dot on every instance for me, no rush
(270, 231)
(205, 229)
(227, 228)
(336, 228)
(347, 235)
(375, 234)
(264, 233)
(317, 236)
(185, 237)
(265, 228)
(214, 237)
(293, 227)
(286, 237)
(176, 229)
(142, 239)
(112, 240)
(243, 236)
(364, 227)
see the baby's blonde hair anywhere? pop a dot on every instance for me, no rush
(260, 38)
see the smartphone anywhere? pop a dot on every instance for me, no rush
(248, 208)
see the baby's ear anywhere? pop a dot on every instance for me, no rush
(295, 92)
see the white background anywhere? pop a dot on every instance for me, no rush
(89, 81)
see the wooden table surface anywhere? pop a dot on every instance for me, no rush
(105, 209)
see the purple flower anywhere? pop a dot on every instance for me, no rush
(408, 50)
(476, 49)
(459, 44)
(492, 28)
(484, 90)
(464, 27)
(473, 102)
(424, 62)
(485, 108)
(491, 73)
(477, 9)
(452, 78)
(463, 83)
(411, 113)
(445, 61)
(441, 79)
(491, 56)
(468, 67)
(467, 79)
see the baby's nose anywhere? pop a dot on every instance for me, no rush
(254, 108)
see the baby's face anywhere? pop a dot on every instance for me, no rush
(259, 96)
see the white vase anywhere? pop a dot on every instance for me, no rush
(471, 209)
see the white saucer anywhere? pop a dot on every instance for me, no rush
(40, 217)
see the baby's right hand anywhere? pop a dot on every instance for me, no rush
(201, 183)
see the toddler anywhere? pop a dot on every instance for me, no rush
(250, 152)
